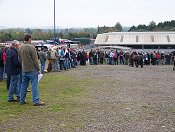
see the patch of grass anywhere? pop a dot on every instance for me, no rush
(57, 90)
(55, 108)
(70, 91)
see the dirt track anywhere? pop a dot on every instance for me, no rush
(119, 98)
(130, 99)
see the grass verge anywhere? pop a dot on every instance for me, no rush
(57, 90)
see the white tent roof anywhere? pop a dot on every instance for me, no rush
(136, 38)
(114, 47)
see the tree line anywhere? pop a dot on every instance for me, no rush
(71, 33)
(162, 26)
(39, 34)
(105, 29)
(152, 26)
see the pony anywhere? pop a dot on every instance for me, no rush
(136, 59)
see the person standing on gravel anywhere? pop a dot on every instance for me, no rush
(30, 70)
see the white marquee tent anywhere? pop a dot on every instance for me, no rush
(130, 39)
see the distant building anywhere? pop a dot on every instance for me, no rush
(137, 40)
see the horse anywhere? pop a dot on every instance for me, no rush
(137, 59)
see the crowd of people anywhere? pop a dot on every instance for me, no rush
(21, 64)
(115, 57)
(60, 58)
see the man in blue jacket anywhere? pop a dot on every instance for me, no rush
(13, 69)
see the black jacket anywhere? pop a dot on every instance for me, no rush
(12, 66)
(1, 60)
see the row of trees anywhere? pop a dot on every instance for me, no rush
(162, 26)
(45, 34)
(18, 34)
(105, 29)
(38, 34)
(9, 35)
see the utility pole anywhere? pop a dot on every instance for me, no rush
(54, 23)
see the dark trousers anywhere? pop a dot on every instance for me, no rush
(101, 60)
(8, 81)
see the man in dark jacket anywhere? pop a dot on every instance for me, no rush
(1, 65)
(43, 57)
(91, 56)
(13, 69)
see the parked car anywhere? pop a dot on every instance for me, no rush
(38, 48)
(51, 42)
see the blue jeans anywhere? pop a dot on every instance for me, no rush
(5, 74)
(43, 62)
(28, 77)
(14, 87)
(73, 63)
(62, 64)
(91, 61)
(121, 60)
(110, 60)
(20, 81)
(1, 73)
(67, 63)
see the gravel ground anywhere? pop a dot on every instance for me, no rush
(118, 99)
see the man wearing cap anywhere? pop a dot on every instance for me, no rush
(13, 70)
(30, 70)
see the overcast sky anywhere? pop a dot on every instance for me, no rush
(84, 13)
